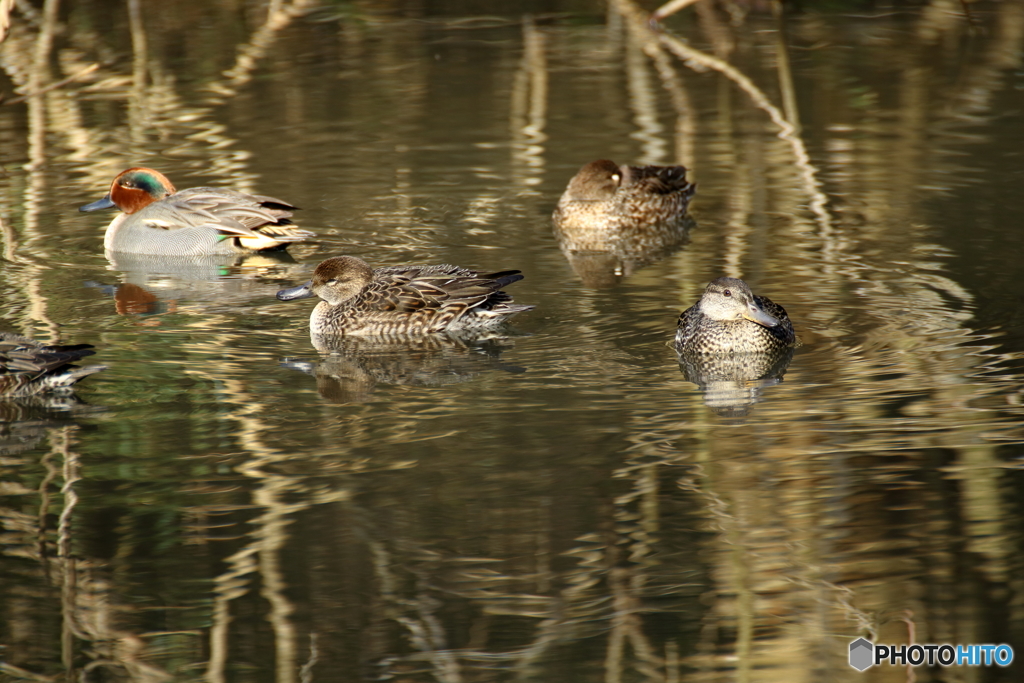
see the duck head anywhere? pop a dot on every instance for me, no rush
(597, 181)
(729, 298)
(335, 280)
(134, 190)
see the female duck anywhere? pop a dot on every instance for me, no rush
(606, 196)
(157, 219)
(404, 300)
(730, 319)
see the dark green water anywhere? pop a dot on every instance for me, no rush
(559, 505)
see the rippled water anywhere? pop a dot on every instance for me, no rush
(561, 503)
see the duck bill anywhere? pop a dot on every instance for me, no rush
(303, 291)
(98, 205)
(756, 315)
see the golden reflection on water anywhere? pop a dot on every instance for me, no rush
(564, 504)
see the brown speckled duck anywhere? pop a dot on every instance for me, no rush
(404, 300)
(606, 196)
(729, 318)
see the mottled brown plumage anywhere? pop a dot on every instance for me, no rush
(404, 300)
(606, 196)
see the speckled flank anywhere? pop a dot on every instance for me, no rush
(404, 300)
(720, 323)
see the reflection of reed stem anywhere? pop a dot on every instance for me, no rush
(10, 241)
(529, 107)
(642, 101)
(44, 509)
(272, 536)
(785, 71)
(139, 123)
(35, 188)
(40, 74)
(70, 574)
(268, 539)
(139, 44)
(686, 122)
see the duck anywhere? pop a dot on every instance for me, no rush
(404, 300)
(604, 196)
(157, 219)
(29, 367)
(730, 319)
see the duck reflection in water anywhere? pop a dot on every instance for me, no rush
(412, 325)
(613, 220)
(31, 368)
(733, 343)
(153, 285)
(37, 389)
(351, 366)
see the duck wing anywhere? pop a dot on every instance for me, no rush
(445, 292)
(659, 179)
(227, 211)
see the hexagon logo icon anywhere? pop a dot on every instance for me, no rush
(862, 652)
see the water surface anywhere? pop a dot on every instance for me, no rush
(561, 503)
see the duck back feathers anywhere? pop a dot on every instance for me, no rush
(401, 300)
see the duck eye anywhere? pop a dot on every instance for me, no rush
(616, 177)
(727, 292)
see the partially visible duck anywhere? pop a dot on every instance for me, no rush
(729, 318)
(28, 367)
(604, 195)
(157, 219)
(404, 300)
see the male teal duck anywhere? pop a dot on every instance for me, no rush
(28, 367)
(729, 318)
(157, 219)
(606, 196)
(404, 300)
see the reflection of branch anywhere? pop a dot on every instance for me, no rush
(279, 16)
(787, 131)
(53, 86)
(24, 674)
(670, 8)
